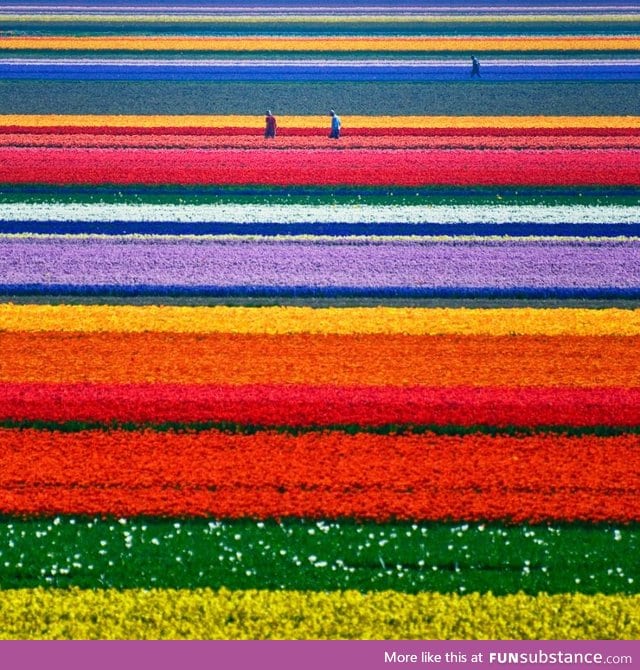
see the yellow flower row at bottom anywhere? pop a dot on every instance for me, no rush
(257, 614)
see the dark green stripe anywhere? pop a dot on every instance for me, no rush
(283, 27)
(298, 554)
(470, 303)
(375, 98)
(318, 195)
(236, 428)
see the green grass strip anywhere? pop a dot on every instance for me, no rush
(317, 556)
(235, 428)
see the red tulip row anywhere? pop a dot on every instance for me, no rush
(301, 405)
(164, 140)
(322, 166)
(287, 131)
(321, 475)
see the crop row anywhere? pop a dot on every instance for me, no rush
(233, 129)
(305, 124)
(324, 267)
(321, 475)
(355, 408)
(595, 102)
(342, 360)
(422, 44)
(403, 167)
(326, 232)
(291, 138)
(122, 69)
(62, 212)
(291, 615)
(284, 320)
(143, 552)
(586, 201)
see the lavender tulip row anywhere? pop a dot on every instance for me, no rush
(219, 267)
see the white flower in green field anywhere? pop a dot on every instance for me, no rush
(357, 213)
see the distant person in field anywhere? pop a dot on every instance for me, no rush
(475, 67)
(270, 125)
(336, 125)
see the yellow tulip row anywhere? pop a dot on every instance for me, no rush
(295, 121)
(206, 614)
(323, 44)
(339, 321)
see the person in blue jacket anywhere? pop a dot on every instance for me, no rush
(335, 126)
(475, 67)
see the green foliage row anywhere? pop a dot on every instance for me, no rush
(235, 428)
(318, 555)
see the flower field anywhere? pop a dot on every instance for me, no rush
(386, 386)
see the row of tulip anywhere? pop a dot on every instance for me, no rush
(330, 166)
(242, 212)
(314, 71)
(283, 320)
(244, 265)
(381, 408)
(340, 44)
(294, 138)
(289, 615)
(371, 125)
(321, 475)
(339, 360)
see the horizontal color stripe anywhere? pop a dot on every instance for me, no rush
(305, 73)
(235, 427)
(318, 555)
(158, 121)
(325, 167)
(205, 15)
(282, 64)
(351, 267)
(301, 405)
(342, 360)
(318, 233)
(358, 235)
(450, 196)
(274, 212)
(222, 294)
(289, 320)
(352, 44)
(274, 475)
(288, 615)
(405, 138)
(301, 138)
(458, 99)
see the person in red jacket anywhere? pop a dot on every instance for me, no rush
(270, 125)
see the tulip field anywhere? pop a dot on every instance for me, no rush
(385, 386)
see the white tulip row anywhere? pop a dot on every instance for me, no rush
(278, 213)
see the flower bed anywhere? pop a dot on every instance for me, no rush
(402, 167)
(385, 386)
